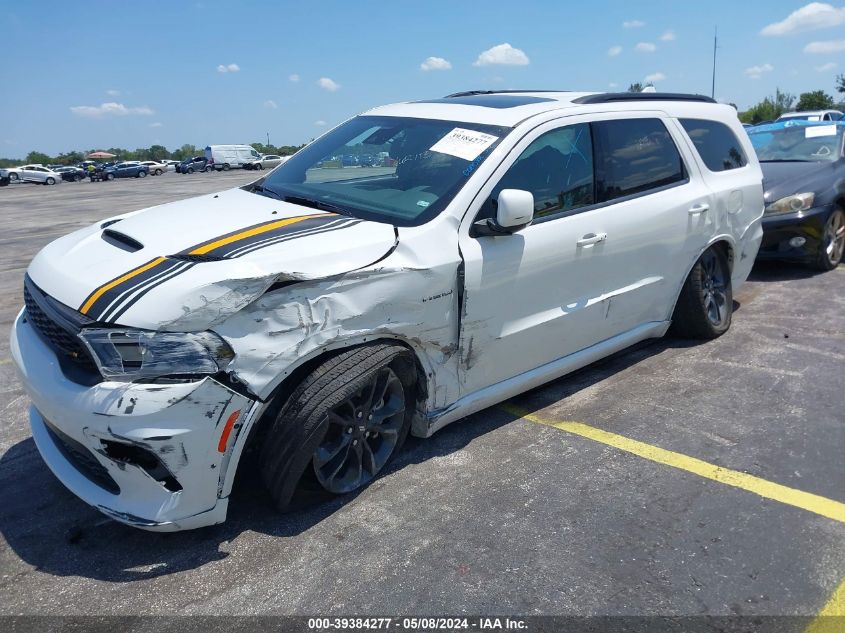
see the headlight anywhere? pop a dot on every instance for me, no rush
(791, 204)
(126, 355)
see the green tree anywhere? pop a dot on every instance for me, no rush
(39, 158)
(816, 100)
(157, 152)
(840, 83)
(769, 108)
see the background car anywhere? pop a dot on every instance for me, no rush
(155, 168)
(125, 170)
(71, 174)
(170, 164)
(13, 173)
(803, 175)
(812, 115)
(196, 163)
(4, 177)
(269, 161)
(39, 174)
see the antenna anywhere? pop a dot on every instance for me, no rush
(715, 46)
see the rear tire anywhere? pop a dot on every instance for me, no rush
(225, 166)
(832, 242)
(333, 425)
(705, 305)
(158, 172)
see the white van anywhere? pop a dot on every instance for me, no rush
(226, 157)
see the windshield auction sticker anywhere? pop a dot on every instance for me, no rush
(819, 130)
(466, 144)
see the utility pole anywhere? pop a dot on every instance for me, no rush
(715, 46)
(268, 138)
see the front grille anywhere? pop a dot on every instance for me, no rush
(83, 460)
(61, 337)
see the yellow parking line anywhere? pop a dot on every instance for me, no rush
(831, 619)
(790, 496)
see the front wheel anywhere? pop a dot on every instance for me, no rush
(190, 170)
(342, 424)
(51, 181)
(109, 176)
(13, 177)
(142, 174)
(833, 241)
(225, 166)
(705, 305)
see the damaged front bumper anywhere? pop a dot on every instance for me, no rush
(154, 456)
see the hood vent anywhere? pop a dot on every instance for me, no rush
(121, 240)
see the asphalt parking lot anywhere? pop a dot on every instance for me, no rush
(660, 502)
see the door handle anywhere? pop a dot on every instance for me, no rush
(591, 238)
(698, 209)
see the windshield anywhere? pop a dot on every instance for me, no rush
(800, 143)
(401, 171)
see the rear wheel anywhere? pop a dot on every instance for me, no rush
(225, 166)
(705, 305)
(158, 172)
(833, 241)
(343, 423)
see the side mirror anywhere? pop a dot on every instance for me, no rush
(514, 211)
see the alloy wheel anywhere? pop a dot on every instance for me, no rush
(714, 286)
(834, 237)
(362, 434)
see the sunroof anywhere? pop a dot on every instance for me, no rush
(491, 101)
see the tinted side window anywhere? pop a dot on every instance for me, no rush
(716, 144)
(557, 168)
(632, 156)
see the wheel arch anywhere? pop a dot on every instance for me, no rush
(723, 242)
(295, 375)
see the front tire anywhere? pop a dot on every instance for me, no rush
(343, 422)
(705, 305)
(142, 174)
(109, 176)
(225, 166)
(13, 177)
(190, 170)
(50, 181)
(833, 241)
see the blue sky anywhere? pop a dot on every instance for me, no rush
(119, 74)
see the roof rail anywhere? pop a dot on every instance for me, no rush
(471, 93)
(610, 97)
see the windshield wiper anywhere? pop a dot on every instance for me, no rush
(264, 191)
(316, 204)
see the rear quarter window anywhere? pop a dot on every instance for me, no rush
(716, 144)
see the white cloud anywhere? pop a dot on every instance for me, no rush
(435, 63)
(613, 51)
(816, 15)
(228, 68)
(327, 84)
(645, 47)
(755, 72)
(502, 55)
(320, 123)
(156, 124)
(294, 77)
(830, 46)
(825, 67)
(270, 104)
(612, 84)
(113, 93)
(633, 24)
(110, 109)
(654, 78)
(668, 36)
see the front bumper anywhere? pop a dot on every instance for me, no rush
(91, 437)
(778, 230)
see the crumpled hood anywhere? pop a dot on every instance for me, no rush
(188, 264)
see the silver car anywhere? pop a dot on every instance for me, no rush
(39, 174)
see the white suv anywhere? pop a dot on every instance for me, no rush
(319, 314)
